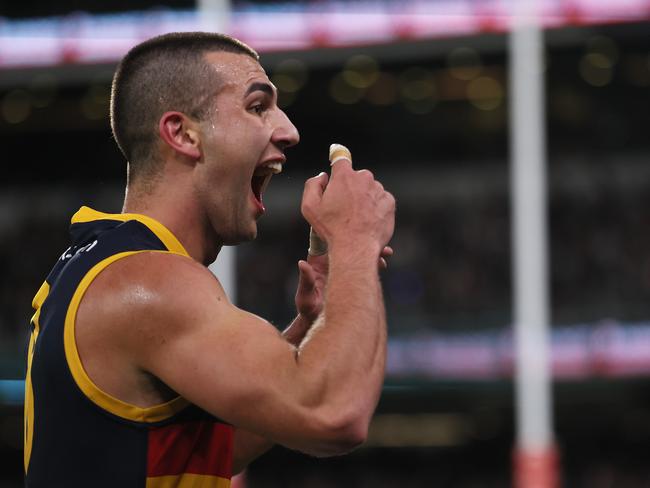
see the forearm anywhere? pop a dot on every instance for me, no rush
(347, 347)
(249, 446)
(355, 305)
(334, 385)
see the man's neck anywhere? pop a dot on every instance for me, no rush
(179, 216)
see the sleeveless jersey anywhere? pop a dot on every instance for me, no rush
(77, 435)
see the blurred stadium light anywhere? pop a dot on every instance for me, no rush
(281, 26)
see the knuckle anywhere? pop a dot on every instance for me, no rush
(366, 173)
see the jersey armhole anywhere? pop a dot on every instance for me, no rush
(95, 394)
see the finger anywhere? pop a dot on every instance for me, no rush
(342, 165)
(319, 181)
(317, 261)
(317, 245)
(338, 152)
(306, 276)
(313, 191)
(340, 158)
(387, 252)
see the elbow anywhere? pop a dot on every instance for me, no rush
(342, 433)
(346, 439)
(354, 436)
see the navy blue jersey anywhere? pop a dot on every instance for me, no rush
(77, 435)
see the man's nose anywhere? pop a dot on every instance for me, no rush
(285, 132)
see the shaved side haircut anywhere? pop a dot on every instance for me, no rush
(165, 73)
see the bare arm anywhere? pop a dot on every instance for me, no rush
(317, 398)
(354, 309)
(247, 445)
(309, 304)
(312, 281)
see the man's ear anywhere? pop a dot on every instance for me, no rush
(178, 133)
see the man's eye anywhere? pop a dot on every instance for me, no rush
(258, 109)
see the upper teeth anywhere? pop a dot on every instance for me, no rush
(275, 167)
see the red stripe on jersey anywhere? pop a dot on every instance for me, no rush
(202, 447)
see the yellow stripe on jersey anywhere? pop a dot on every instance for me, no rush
(87, 214)
(37, 302)
(187, 480)
(99, 397)
(41, 295)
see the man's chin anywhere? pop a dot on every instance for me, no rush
(240, 238)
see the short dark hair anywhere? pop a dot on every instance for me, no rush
(167, 72)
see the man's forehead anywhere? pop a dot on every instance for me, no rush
(236, 68)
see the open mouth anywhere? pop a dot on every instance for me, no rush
(262, 177)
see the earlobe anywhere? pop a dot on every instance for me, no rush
(174, 128)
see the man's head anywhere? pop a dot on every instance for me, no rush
(197, 118)
(165, 73)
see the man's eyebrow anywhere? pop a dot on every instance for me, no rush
(264, 87)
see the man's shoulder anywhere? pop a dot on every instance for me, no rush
(152, 285)
(159, 266)
(159, 269)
